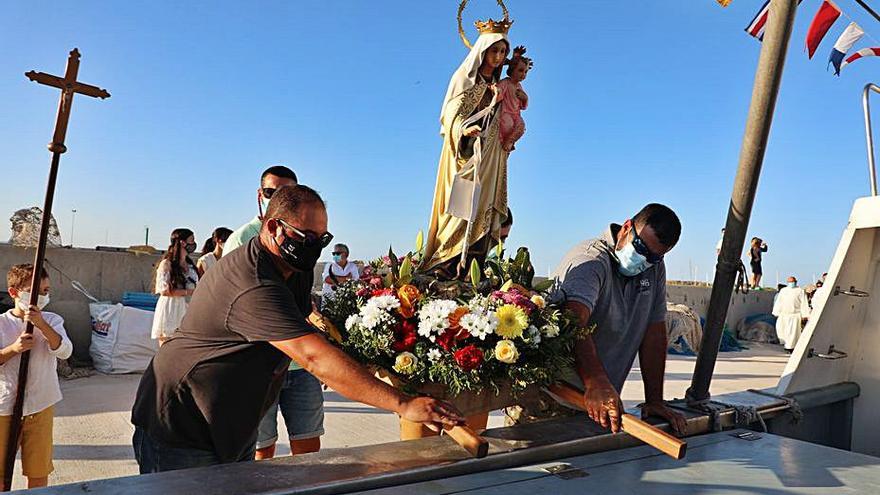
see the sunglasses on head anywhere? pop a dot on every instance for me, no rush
(642, 248)
(268, 192)
(309, 238)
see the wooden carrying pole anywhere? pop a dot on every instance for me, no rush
(651, 435)
(68, 86)
(469, 440)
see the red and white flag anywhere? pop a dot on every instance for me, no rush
(826, 16)
(759, 22)
(864, 52)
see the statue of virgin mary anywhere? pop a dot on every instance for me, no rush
(471, 143)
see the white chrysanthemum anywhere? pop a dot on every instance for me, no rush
(384, 302)
(434, 317)
(550, 330)
(352, 321)
(479, 325)
(434, 355)
(532, 335)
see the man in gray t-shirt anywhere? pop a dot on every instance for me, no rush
(617, 282)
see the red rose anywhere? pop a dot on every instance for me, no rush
(404, 336)
(469, 358)
(383, 292)
(446, 339)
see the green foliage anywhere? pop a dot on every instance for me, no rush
(475, 273)
(420, 242)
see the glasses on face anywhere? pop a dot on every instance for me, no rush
(338, 253)
(309, 238)
(268, 192)
(642, 248)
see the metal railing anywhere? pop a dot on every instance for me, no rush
(872, 169)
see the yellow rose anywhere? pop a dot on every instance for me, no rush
(539, 301)
(405, 363)
(505, 351)
(408, 296)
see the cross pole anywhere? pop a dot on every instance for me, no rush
(69, 86)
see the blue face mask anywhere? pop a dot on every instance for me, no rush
(264, 206)
(792, 284)
(337, 258)
(629, 262)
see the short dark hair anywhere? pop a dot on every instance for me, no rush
(343, 246)
(19, 276)
(278, 171)
(509, 220)
(662, 220)
(287, 201)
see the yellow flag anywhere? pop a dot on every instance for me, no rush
(724, 3)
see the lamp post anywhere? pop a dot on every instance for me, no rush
(72, 223)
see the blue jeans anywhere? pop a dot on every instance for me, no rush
(154, 457)
(302, 406)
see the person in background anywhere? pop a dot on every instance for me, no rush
(176, 279)
(213, 250)
(47, 345)
(274, 177)
(720, 242)
(756, 250)
(339, 270)
(791, 308)
(301, 399)
(820, 295)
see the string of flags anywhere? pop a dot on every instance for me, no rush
(827, 15)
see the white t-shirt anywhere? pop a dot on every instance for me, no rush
(207, 261)
(42, 389)
(350, 269)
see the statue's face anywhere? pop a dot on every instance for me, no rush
(519, 72)
(495, 55)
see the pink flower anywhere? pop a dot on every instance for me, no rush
(517, 298)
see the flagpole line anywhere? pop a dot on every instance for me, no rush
(868, 9)
(867, 34)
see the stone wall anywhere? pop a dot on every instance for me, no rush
(104, 274)
(741, 305)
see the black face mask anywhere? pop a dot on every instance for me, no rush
(190, 248)
(299, 255)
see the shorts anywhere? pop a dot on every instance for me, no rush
(36, 443)
(302, 406)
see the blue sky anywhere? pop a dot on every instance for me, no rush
(630, 102)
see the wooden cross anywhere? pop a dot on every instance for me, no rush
(69, 86)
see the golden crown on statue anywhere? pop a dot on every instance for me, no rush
(488, 26)
(493, 26)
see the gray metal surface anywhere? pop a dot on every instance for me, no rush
(717, 463)
(400, 463)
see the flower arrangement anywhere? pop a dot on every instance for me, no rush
(497, 330)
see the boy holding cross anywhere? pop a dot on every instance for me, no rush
(47, 344)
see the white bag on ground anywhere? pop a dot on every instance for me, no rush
(121, 340)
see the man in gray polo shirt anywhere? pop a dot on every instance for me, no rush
(618, 283)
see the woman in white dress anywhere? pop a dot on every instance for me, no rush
(176, 279)
(213, 250)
